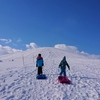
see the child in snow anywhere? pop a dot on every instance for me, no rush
(62, 65)
(39, 64)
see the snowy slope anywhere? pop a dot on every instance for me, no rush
(18, 77)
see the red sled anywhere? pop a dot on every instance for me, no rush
(63, 79)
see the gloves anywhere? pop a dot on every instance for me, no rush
(58, 66)
(43, 64)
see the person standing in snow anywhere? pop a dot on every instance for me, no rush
(39, 64)
(62, 65)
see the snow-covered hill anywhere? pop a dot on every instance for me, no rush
(18, 76)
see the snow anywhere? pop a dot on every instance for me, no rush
(18, 76)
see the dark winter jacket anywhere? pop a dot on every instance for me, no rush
(63, 64)
(39, 62)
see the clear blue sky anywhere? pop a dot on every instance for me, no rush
(51, 22)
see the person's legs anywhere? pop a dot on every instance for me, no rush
(64, 72)
(41, 70)
(38, 71)
(61, 72)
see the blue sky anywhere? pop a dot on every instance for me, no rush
(50, 22)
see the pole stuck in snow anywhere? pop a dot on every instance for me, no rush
(23, 60)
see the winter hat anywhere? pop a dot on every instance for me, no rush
(39, 54)
(64, 58)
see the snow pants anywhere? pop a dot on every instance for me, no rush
(63, 71)
(39, 70)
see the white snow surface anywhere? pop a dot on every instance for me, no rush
(18, 76)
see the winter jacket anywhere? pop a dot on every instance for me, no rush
(63, 64)
(39, 62)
